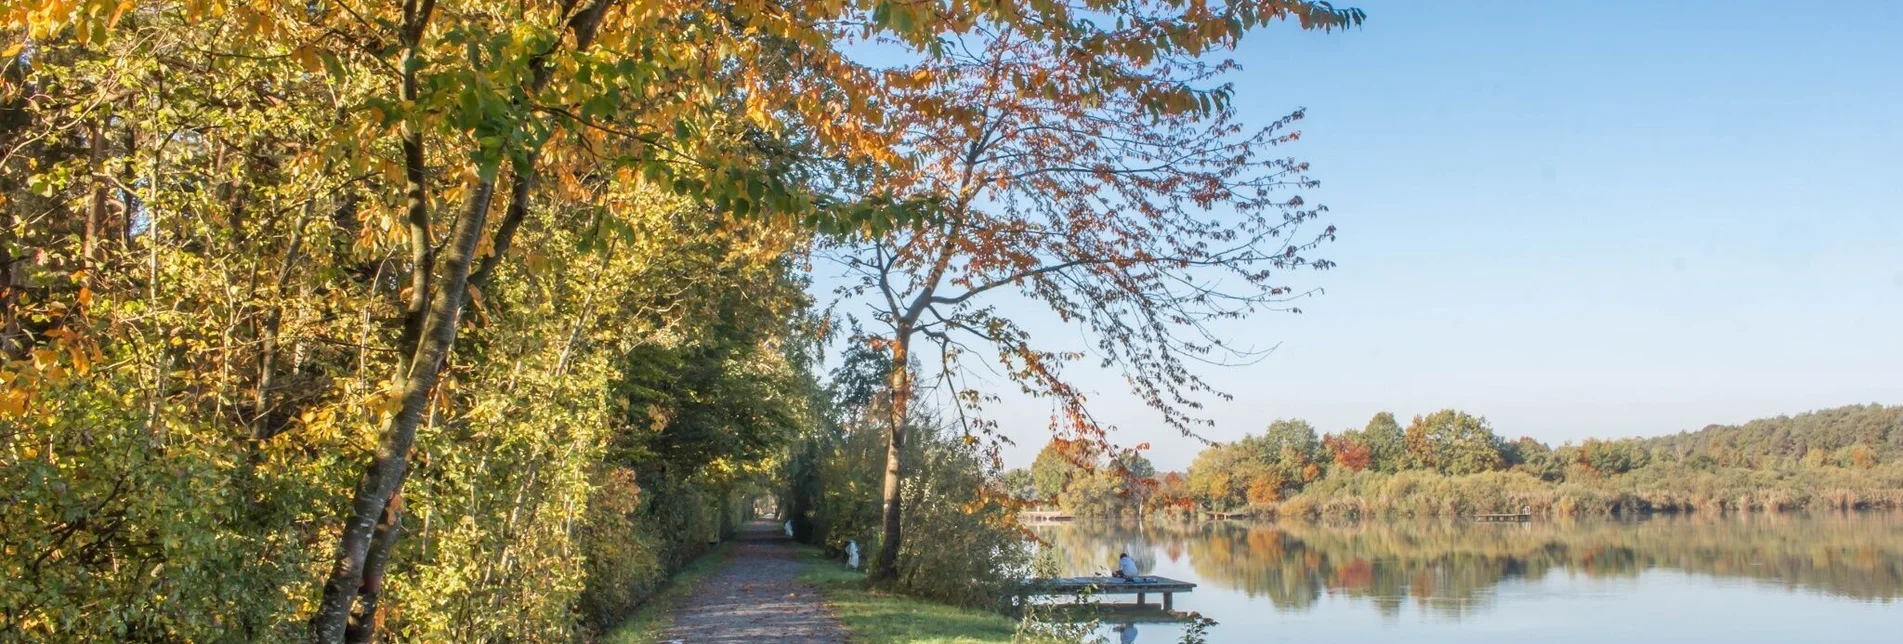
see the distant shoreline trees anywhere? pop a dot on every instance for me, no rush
(1453, 462)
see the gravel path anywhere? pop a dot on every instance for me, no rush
(756, 597)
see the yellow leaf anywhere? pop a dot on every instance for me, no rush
(307, 57)
(14, 403)
(81, 362)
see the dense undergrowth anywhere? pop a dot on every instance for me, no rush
(962, 544)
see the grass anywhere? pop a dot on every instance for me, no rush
(656, 615)
(877, 617)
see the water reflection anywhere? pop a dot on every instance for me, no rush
(1453, 568)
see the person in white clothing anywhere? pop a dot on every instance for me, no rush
(1126, 568)
(789, 528)
(852, 555)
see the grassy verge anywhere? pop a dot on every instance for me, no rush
(652, 620)
(874, 617)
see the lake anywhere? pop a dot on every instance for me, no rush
(1731, 579)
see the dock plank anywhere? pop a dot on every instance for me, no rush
(1111, 585)
(1141, 587)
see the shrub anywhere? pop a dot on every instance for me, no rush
(963, 545)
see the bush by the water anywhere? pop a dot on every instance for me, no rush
(962, 542)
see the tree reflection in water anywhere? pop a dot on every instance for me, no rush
(1453, 567)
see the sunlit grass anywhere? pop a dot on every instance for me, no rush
(651, 621)
(876, 617)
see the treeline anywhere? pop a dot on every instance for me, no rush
(1451, 462)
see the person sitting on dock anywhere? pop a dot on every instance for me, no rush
(1126, 568)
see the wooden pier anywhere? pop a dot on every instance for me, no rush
(1515, 517)
(1142, 588)
(1040, 516)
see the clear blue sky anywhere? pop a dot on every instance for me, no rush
(1577, 219)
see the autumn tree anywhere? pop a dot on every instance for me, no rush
(1265, 486)
(1454, 442)
(1220, 475)
(1172, 494)
(1097, 168)
(1861, 457)
(1349, 450)
(1056, 463)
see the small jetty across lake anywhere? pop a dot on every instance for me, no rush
(1511, 517)
(1113, 586)
(1039, 516)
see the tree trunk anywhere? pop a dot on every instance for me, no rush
(426, 338)
(886, 568)
(433, 331)
(89, 246)
(392, 460)
(363, 622)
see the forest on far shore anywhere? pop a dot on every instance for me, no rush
(1452, 462)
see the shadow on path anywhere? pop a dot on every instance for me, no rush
(756, 596)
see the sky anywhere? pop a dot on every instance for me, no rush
(1575, 219)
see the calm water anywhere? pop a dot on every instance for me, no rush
(1736, 580)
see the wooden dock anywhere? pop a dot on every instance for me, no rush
(1114, 586)
(1040, 516)
(1515, 517)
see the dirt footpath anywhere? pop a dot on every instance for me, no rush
(756, 596)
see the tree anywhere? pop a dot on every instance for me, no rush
(1095, 493)
(1862, 457)
(1349, 450)
(1220, 476)
(1078, 165)
(1173, 493)
(1133, 464)
(1056, 464)
(1616, 456)
(1288, 442)
(1386, 442)
(1454, 442)
(1018, 484)
(1265, 486)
